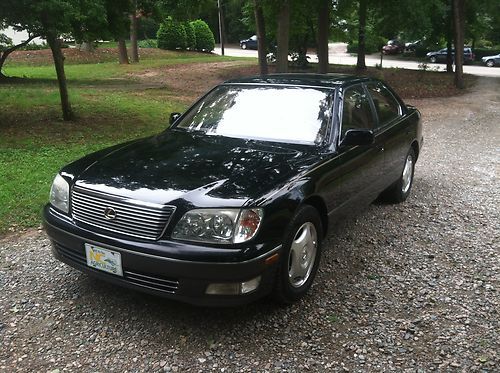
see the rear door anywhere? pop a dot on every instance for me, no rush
(390, 129)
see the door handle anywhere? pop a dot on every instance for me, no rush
(381, 148)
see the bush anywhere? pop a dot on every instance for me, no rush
(171, 35)
(147, 43)
(205, 40)
(37, 47)
(190, 36)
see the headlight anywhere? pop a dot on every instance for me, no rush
(59, 194)
(218, 226)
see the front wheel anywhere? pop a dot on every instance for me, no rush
(433, 59)
(400, 191)
(300, 256)
(490, 63)
(243, 46)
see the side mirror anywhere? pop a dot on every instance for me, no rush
(173, 117)
(361, 137)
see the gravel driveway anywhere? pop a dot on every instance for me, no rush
(412, 287)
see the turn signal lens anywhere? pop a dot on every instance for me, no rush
(248, 225)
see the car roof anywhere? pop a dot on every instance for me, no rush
(310, 80)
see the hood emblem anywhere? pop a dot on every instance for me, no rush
(110, 213)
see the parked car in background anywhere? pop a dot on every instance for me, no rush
(413, 45)
(250, 43)
(440, 55)
(393, 47)
(232, 203)
(491, 61)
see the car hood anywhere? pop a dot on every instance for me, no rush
(205, 171)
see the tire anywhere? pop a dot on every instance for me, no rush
(244, 46)
(300, 256)
(490, 63)
(399, 191)
(433, 59)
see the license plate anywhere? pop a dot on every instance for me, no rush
(104, 259)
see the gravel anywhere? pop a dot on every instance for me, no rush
(408, 288)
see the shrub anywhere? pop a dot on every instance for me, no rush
(147, 43)
(205, 40)
(171, 35)
(190, 36)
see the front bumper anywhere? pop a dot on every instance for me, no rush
(154, 268)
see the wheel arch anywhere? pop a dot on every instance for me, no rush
(319, 204)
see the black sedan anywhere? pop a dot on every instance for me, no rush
(250, 43)
(232, 202)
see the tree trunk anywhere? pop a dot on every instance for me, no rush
(133, 33)
(55, 46)
(459, 20)
(261, 37)
(7, 52)
(323, 33)
(86, 46)
(361, 63)
(122, 51)
(283, 37)
(449, 39)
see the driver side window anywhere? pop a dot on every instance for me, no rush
(356, 111)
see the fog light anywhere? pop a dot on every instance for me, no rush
(233, 288)
(251, 285)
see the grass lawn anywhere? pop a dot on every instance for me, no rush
(113, 104)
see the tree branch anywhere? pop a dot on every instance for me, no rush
(5, 53)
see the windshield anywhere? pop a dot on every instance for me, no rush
(270, 113)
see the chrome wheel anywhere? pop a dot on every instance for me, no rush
(407, 174)
(302, 254)
(490, 63)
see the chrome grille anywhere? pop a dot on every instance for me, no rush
(132, 218)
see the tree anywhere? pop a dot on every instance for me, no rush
(323, 33)
(118, 25)
(261, 36)
(283, 36)
(459, 29)
(50, 19)
(362, 13)
(7, 47)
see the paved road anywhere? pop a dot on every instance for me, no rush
(338, 55)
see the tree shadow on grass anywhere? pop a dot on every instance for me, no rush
(110, 83)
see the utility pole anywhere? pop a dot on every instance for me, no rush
(221, 37)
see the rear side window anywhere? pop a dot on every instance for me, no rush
(356, 112)
(386, 105)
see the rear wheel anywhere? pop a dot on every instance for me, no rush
(400, 191)
(301, 256)
(490, 63)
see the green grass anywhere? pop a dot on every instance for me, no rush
(111, 106)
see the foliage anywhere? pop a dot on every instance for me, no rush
(148, 28)
(171, 35)
(148, 43)
(5, 42)
(205, 40)
(35, 47)
(190, 36)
